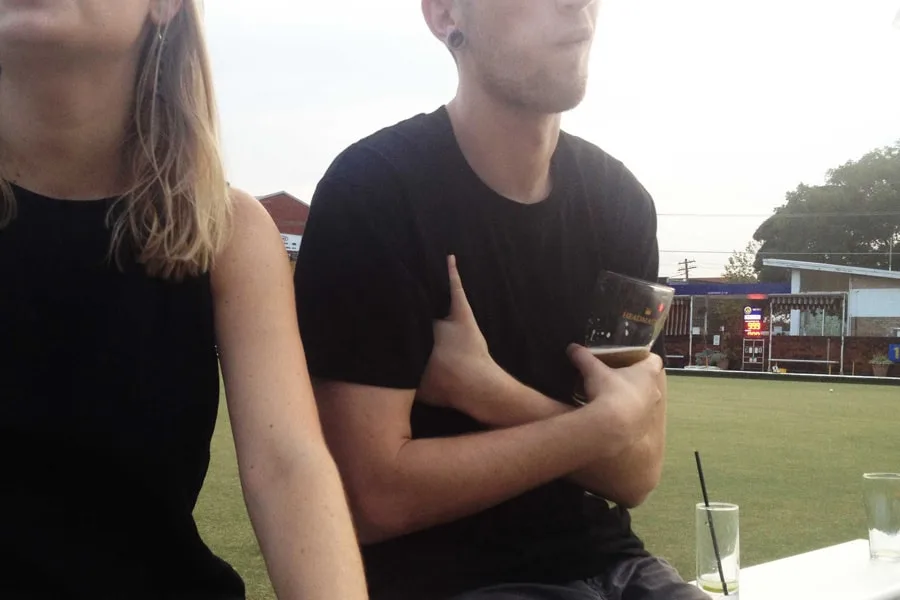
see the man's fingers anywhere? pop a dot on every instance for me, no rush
(459, 303)
(587, 363)
(653, 363)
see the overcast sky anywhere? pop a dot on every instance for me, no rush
(719, 107)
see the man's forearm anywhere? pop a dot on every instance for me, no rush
(625, 478)
(439, 480)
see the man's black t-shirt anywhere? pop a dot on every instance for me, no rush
(372, 278)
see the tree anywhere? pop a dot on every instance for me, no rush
(726, 314)
(853, 219)
(740, 267)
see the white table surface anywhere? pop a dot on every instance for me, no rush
(842, 572)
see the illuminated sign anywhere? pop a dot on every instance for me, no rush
(753, 329)
(753, 322)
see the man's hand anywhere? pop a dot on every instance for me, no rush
(461, 374)
(626, 398)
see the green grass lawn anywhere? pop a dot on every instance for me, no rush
(790, 453)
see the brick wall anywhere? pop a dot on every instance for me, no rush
(816, 281)
(875, 326)
(873, 283)
(289, 213)
(857, 353)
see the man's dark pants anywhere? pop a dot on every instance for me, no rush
(645, 578)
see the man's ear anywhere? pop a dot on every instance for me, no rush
(441, 17)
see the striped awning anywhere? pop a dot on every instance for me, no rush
(679, 321)
(806, 301)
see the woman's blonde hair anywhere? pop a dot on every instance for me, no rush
(175, 217)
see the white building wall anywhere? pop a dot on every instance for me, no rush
(874, 303)
(795, 314)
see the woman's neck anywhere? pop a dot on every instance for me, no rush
(62, 133)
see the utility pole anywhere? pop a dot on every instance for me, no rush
(685, 268)
(891, 251)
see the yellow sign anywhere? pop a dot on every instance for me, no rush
(648, 320)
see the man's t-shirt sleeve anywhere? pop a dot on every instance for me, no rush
(364, 315)
(644, 222)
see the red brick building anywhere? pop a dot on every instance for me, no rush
(290, 215)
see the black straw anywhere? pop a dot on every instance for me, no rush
(709, 519)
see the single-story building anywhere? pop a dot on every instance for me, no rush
(873, 295)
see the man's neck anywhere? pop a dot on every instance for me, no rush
(509, 149)
(62, 134)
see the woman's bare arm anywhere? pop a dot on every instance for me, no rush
(291, 484)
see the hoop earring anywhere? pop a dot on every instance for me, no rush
(456, 39)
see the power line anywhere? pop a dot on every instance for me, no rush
(835, 215)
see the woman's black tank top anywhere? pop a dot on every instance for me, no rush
(109, 389)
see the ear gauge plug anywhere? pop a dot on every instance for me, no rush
(456, 39)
